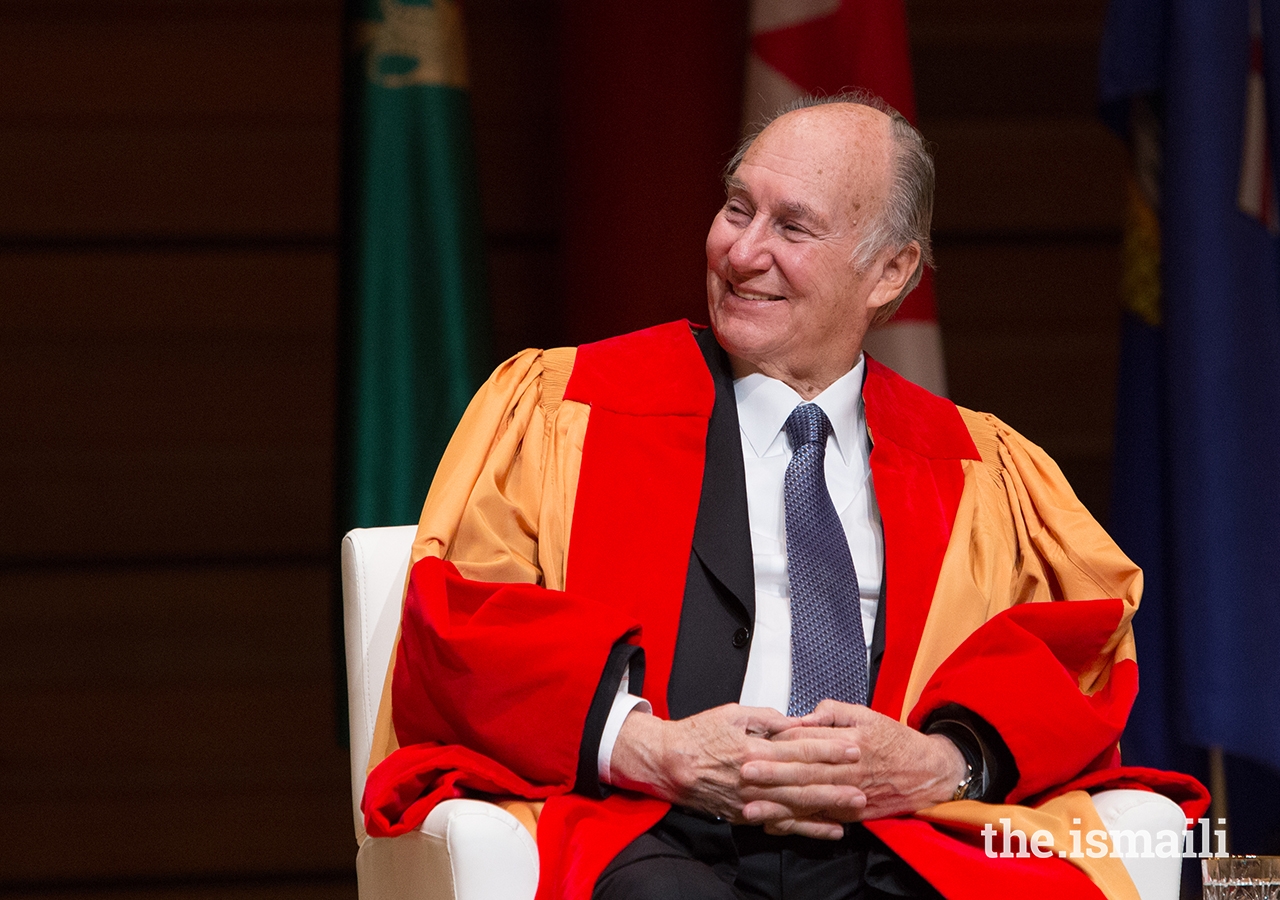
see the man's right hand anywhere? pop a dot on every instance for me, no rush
(697, 762)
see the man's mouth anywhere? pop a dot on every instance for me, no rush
(751, 295)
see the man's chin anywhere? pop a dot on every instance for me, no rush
(747, 342)
(752, 321)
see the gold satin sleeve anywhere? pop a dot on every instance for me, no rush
(500, 506)
(1021, 536)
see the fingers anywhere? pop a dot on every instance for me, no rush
(761, 721)
(834, 714)
(840, 802)
(787, 774)
(828, 803)
(835, 750)
(814, 780)
(811, 828)
(816, 732)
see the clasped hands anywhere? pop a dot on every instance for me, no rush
(807, 775)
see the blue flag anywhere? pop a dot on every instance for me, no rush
(1194, 86)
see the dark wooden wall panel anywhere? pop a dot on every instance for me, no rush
(1031, 328)
(181, 723)
(204, 118)
(237, 61)
(1002, 58)
(522, 286)
(1028, 220)
(266, 832)
(313, 888)
(173, 503)
(1043, 283)
(514, 109)
(168, 265)
(1010, 177)
(162, 290)
(167, 403)
(514, 102)
(169, 181)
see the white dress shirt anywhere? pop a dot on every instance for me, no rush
(763, 407)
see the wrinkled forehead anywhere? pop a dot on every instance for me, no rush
(842, 150)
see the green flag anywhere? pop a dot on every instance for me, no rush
(415, 313)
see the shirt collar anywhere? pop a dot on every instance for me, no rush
(764, 404)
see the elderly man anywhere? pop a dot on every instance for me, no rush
(754, 616)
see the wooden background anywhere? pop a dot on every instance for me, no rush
(169, 177)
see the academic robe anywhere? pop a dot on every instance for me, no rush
(561, 522)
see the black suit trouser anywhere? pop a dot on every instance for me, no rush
(690, 857)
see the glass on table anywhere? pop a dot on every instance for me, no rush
(1241, 877)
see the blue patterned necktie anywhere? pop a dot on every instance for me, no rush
(828, 648)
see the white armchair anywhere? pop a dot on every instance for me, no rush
(471, 850)
(466, 849)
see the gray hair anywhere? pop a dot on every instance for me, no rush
(908, 209)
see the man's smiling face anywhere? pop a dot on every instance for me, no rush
(784, 295)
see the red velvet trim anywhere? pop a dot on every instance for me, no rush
(407, 785)
(453, 629)
(655, 372)
(913, 418)
(633, 517)
(578, 837)
(1048, 645)
(651, 397)
(918, 440)
(963, 871)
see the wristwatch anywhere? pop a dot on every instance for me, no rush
(962, 789)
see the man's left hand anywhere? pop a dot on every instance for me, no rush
(899, 769)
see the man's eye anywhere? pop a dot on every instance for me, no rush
(736, 210)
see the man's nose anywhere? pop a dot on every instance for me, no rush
(750, 249)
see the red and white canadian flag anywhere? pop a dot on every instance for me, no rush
(824, 46)
(1256, 196)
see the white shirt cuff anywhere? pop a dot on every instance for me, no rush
(623, 703)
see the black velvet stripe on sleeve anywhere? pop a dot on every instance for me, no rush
(981, 746)
(621, 657)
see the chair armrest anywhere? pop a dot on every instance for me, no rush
(465, 850)
(1145, 813)
(472, 850)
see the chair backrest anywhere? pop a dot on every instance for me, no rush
(375, 563)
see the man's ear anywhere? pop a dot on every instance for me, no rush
(894, 275)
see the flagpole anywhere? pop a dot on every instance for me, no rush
(1218, 791)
